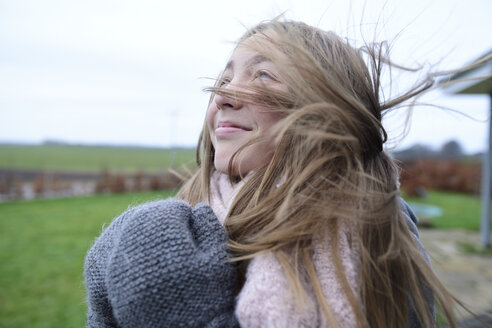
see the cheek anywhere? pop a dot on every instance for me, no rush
(266, 120)
(210, 119)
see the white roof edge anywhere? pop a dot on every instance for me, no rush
(469, 78)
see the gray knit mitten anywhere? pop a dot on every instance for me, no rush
(162, 264)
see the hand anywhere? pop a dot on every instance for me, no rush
(170, 268)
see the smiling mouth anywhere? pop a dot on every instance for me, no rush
(225, 128)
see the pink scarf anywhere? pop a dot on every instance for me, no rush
(266, 299)
(222, 194)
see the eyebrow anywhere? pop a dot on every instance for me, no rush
(250, 63)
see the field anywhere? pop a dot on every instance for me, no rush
(42, 249)
(92, 159)
(43, 244)
(459, 210)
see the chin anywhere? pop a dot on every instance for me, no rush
(221, 163)
(222, 166)
(247, 161)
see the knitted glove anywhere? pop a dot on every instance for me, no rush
(164, 265)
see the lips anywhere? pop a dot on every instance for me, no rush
(227, 127)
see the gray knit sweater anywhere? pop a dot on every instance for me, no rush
(161, 264)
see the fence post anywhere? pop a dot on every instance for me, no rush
(486, 167)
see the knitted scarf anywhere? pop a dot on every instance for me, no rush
(266, 299)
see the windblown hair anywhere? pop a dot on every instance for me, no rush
(328, 172)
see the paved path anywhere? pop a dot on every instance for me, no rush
(468, 276)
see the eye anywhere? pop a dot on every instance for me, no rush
(223, 81)
(265, 75)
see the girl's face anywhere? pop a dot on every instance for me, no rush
(233, 122)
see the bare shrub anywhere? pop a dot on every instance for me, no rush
(170, 181)
(155, 183)
(39, 186)
(3, 186)
(118, 184)
(450, 175)
(138, 181)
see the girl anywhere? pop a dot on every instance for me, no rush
(291, 163)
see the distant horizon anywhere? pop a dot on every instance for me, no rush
(92, 144)
(188, 146)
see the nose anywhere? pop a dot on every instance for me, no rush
(228, 101)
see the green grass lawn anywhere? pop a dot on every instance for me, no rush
(459, 211)
(43, 244)
(42, 248)
(92, 158)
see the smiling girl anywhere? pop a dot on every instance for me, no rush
(233, 122)
(291, 164)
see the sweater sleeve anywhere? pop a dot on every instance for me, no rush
(412, 226)
(162, 264)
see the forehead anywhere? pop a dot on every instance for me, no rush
(246, 57)
(255, 49)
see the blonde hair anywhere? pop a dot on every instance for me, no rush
(328, 171)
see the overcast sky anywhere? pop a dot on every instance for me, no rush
(132, 72)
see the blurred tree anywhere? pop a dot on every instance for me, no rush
(416, 151)
(451, 149)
